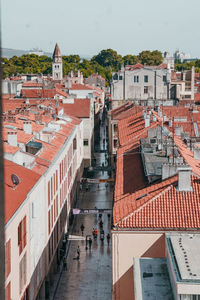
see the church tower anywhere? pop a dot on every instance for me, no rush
(57, 72)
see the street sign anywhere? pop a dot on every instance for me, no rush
(91, 180)
(77, 211)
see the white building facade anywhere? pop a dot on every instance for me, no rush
(140, 83)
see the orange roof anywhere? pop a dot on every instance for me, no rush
(160, 206)
(80, 108)
(32, 84)
(37, 93)
(60, 92)
(14, 197)
(80, 87)
(9, 149)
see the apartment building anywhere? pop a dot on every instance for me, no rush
(44, 151)
(138, 83)
(156, 189)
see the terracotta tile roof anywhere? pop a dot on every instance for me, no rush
(14, 197)
(80, 87)
(197, 97)
(93, 87)
(133, 128)
(11, 104)
(80, 108)
(32, 84)
(9, 149)
(187, 155)
(60, 92)
(38, 93)
(161, 206)
(22, 137)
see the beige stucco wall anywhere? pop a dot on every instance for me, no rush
(11, 232)
(126, 246)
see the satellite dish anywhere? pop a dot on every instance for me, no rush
(15, 179)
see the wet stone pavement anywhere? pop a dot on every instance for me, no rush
(91, 276)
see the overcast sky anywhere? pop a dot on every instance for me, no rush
(87, 26)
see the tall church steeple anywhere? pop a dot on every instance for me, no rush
(57, 72)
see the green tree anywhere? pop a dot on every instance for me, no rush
(130, 59)
(108, 58)
(151, 58)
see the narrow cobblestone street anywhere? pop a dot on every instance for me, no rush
(91, 276)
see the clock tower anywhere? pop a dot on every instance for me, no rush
(57, 72)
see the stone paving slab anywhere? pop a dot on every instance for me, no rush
(90, 277)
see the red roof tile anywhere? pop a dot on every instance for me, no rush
(32, 84)
(161, 206)
(80, 108)
(80, 87)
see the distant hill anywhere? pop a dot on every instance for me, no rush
(8, 53)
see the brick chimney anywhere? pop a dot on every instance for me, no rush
(12, 138)
(184, 179)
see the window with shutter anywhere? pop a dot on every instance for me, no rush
(20, 237)
(24, 232)
(48, 193)
(8, 258)
(49, 221)
(56, 180)
(51, 188)
(8, 291)
(54, 183)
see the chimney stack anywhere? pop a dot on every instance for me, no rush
(154, 118)
(147, 121)
(12, 138)
(184, 179)
(28, 127)
(197, 152)
(178, 130)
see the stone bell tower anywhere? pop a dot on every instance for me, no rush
(57, 72)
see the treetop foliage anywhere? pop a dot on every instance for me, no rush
(104, 63)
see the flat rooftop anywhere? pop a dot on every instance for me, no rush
(187, 255)
(151, 279)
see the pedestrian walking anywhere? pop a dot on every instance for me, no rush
(82, 228)
(78, 252)
(102, 237)
(108, 239)
(90, 243)
(101, 224)
(95, 233)
(65, 263)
